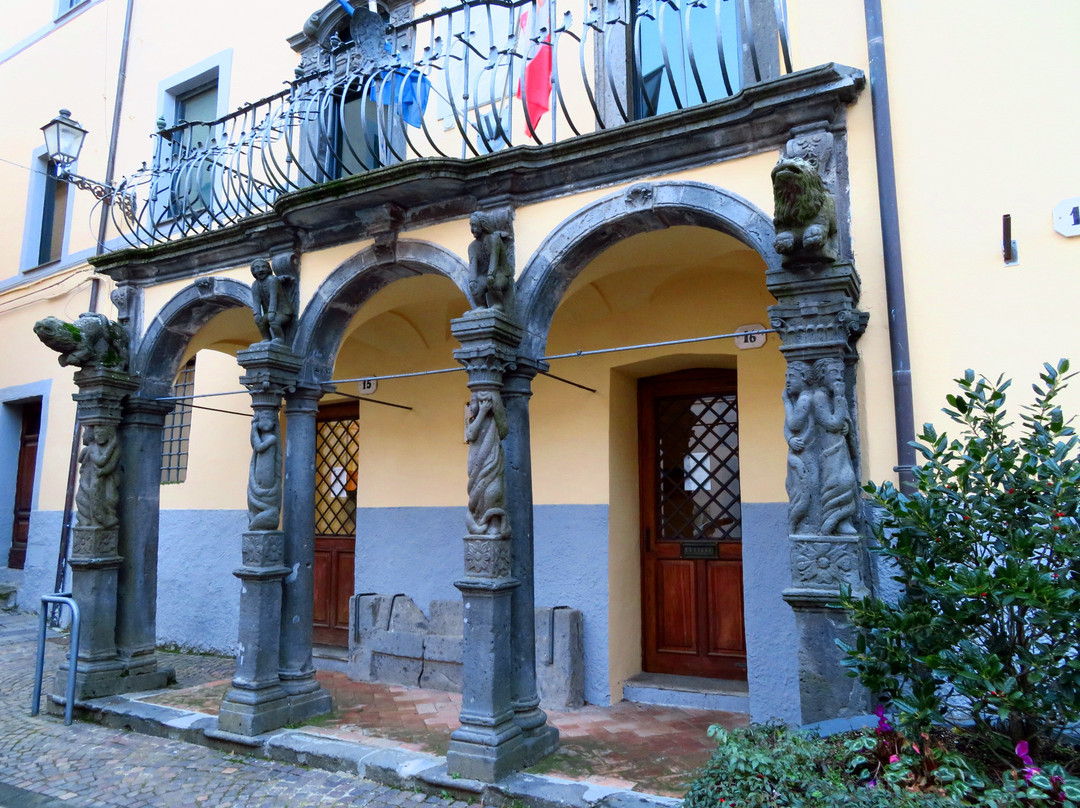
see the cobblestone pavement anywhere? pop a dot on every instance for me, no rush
(44, 764)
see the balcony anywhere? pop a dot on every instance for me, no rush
(461, 83)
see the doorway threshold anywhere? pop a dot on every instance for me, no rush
(330, 658)
(695, 692)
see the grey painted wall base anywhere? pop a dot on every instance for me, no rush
(772, 664)
(571, 566)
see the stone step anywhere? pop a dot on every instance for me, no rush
(8, 597)
(688, 691)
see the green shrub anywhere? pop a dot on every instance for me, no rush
(775, 767)
(988, 549)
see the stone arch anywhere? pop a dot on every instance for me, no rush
(157, 360)
(641, 208)
(326, 317)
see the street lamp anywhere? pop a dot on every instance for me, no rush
(63, 142)
(63, 139)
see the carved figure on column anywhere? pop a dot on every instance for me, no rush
(802, 476)
(264, 479)
(486, 465)
(99, 486)
(491, 261)
(805, 214)
(92, 341)
(839, 485)
(271, 301)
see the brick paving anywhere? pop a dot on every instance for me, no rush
(635, 746)
(89, 766)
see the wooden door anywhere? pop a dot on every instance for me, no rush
(24, 483)
(691, 540)
(335, 521)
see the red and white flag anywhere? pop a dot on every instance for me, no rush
(535, 84)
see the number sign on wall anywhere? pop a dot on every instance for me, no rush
(747, 341)
(1067, 217)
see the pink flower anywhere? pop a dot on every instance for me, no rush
(894, 758)
(882, 724)
(1029, 765)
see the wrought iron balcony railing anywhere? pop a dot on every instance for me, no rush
(461, 82)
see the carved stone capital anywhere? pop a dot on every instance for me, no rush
(94, 547)
(827, 563)
(101, 394)
(814, 329)
(148, 412)
(263, 548)
(269, 367)
(487, 557)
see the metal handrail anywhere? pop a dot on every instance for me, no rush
(62, 599)
(461, 82)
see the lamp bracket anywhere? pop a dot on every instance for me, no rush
(109, 193)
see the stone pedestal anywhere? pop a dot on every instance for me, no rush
(489, 745)
(256, 702)
(296, 668)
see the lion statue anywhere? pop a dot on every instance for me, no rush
(805, 217)
(91, 341)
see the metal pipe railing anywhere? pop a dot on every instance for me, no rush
(63, 599)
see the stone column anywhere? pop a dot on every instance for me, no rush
(136, 607)
(539, 738)
(256, 702)
(488, 746)
(95, 558)
(818, 320)
(296, 668)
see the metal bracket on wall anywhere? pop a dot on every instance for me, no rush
(1008, 246)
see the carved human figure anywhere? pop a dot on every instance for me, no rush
(98, 494)
(839, 486)
(491, 262)
(486, 465)
(798, 431)
(264, 478)
(271, 302)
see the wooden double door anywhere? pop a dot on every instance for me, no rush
(335, 521)
(691, 525)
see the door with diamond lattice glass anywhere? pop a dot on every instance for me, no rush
(691, 524)
(335, 521)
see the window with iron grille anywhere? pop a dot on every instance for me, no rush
(177, 430)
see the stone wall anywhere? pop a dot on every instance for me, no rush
(392, 641)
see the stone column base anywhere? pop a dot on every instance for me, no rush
(253, 712)
(487, 755)
(539, 742)
(303, 706)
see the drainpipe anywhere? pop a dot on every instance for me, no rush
(890, 242)
(95, 285)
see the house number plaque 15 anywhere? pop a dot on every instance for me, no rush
(1067, 217)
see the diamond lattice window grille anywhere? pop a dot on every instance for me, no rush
(335, 478)
(698, 453)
